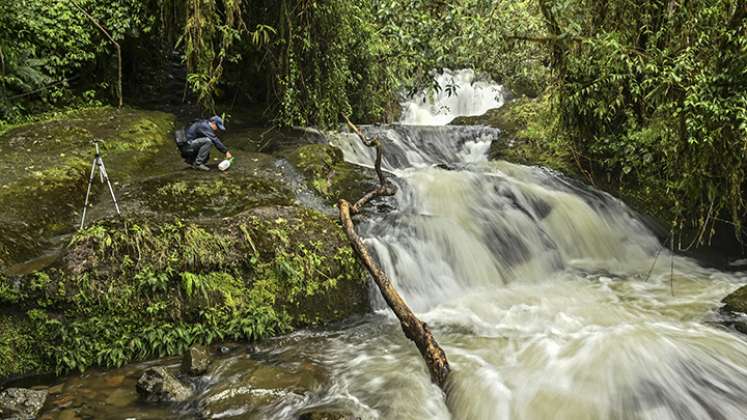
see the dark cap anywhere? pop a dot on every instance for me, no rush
(218, 121)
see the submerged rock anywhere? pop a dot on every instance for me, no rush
(195, 361)
(158, 385)
(238, 401)
(325, 414)
(249, 386)
(21, 403)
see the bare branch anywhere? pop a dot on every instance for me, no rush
(414, 328)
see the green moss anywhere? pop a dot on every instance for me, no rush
(147, 287)
(45, 168)
(736, 302)
(328, 174)
(212, 195)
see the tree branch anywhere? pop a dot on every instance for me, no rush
(414, 329)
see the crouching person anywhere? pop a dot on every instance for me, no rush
(201, 136)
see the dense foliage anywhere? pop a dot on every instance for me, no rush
(49, 47)
(305, 61)
(655, 94)
(487, 35)
(650, 95)
(132, 290)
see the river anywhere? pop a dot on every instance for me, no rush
(552, 300)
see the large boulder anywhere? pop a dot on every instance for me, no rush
(329, 175)
(158, 385)
(21, 403)
(243, 255)
(195, 361)
(44, 171)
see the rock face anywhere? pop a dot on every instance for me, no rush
(21, 403)
(243, 254)
(158, 385)
(195, 361)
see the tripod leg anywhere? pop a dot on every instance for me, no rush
(100, 163)
(105, 176)
(88, 193)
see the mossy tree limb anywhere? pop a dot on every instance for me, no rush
(414, 329)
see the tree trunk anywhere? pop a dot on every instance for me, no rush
(414, 329)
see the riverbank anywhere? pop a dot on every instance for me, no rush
(197, 258)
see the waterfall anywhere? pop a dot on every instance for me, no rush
(459, 93)
(551, 299)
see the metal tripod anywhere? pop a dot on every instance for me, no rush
(98, 163)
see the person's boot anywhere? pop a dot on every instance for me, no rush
(200, 166)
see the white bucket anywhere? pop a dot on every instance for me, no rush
(225, 164)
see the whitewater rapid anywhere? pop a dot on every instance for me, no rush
(552, 300)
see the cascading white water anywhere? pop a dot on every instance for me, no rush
(539, 291)
(460, 93)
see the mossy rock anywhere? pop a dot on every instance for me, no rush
(328, 174)
(503, 118)
(736, 302)
(153, 285)
(46, 164)
(198, 195)
(734, 310)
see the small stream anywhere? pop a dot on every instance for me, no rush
(551, 300)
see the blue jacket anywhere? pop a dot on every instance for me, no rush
(202, 129)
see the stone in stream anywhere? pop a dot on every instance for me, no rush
(21, 403)
(158, 385)
(325, 414)
(195, 361)
(735, 309)
(256, 387)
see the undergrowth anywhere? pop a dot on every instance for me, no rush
(134, 290)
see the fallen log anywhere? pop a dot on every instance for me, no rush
(414, 329)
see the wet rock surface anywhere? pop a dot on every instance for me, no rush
(21, 403)
(328, 174)
(158, 385)
(325, 414)
(273, 380)
(734, 310)
(195, 361)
